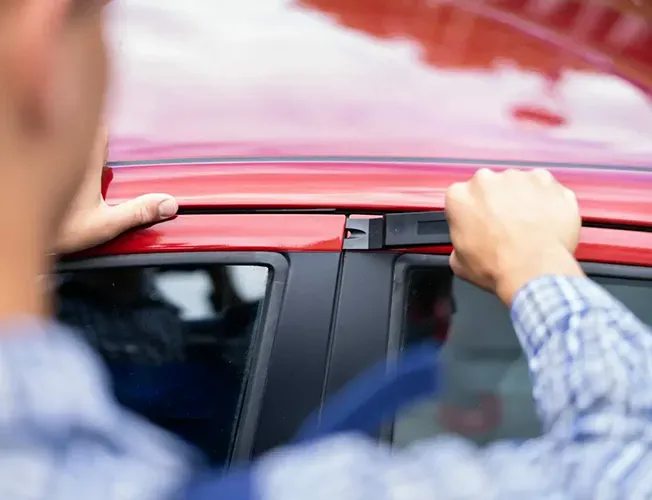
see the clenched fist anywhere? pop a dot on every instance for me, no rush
(508, 228)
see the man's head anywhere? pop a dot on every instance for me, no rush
(53, 72)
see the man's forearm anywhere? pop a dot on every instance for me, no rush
(54, 392)
(588, 354)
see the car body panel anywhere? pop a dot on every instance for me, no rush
(508, 80)
(323, 233)
(596, 245)
(233, 232)
(604, 194)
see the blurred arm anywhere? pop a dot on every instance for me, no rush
(63, 436)
(591, 365)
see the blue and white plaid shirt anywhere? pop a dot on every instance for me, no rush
(63, 437)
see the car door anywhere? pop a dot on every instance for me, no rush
(214, 326)
(394, 297)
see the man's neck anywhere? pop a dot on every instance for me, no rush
(22, 261)
(28, 223)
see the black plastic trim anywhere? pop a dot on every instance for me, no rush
(600, 269)
(254, 388)
(170, 259)
(300, 353)
(398, 230)
(362, 316)
(426, 228)
(364, 234)
(331, 340)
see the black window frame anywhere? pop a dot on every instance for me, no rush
(300, 355)
(251, 396)
(407, 261)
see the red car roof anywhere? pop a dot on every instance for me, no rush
(605, 194)
(501, 80)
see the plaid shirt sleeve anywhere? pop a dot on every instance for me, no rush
(62, 436)
(590, 361)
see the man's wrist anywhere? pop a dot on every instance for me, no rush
(531, 264)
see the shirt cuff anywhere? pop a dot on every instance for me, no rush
(543, 306)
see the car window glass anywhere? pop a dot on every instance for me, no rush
(487, 393)
(175, 340)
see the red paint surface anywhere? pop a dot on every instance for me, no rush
(474, 80)
(617, 196)
(233, 232)
(598, 245)
(612, 196)
(565, 81)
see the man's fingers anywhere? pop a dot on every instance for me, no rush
(543, 175)
(455, 194)
(103, 223)
(456, 266)
(146, 209)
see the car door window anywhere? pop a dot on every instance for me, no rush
(487, 393)
(176, 340)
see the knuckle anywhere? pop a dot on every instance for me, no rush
(543, 175)
(143, 215)
(455, 192)
(570, 195)
(484, 174)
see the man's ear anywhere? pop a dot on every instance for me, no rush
(36, 32)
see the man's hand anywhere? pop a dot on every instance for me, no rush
(92, 222)
(508, 228)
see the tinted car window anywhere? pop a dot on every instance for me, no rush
(176, 341)
(487, 395)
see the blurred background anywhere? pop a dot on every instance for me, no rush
(511, 78)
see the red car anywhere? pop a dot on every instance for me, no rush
(310, 145)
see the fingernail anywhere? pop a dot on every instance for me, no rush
(167, 208)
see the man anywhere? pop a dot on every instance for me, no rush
(63, 437)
